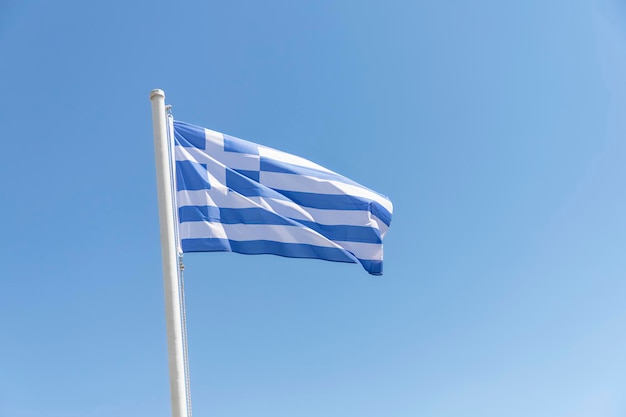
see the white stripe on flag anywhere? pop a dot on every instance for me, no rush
(290, 159)
(250, 232)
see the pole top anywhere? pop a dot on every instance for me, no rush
(156, 93)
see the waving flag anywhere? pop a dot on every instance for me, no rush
(234, 195)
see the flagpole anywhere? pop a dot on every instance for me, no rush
(169, 256)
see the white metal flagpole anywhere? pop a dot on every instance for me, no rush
(169, 256)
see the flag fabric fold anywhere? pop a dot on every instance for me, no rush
(238, 196)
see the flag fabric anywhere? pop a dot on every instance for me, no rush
(238, 196)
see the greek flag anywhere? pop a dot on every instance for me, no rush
(234, 195)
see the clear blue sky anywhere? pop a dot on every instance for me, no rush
(496, 128)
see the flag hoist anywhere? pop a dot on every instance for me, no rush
(179, 389)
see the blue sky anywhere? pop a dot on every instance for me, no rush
(496, 128)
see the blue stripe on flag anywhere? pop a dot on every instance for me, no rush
(260, 247)
(191, 176)
(199, 214)
(251, 215)
(205, 245)
(189, 136)
(373, 267)
(344, 233)
(337, 202)
(232, 144)
(272, 165)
